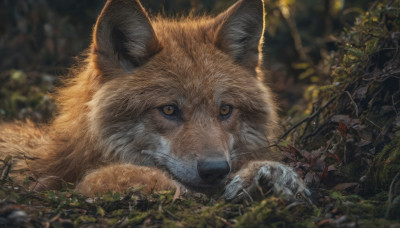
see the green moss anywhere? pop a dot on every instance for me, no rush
(113, 221)
(336, 195)
(118, 213)
(272, 212)
(386, 165)
(84, 219)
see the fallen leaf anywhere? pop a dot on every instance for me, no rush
(324, 222)
(342, 129)
(344, 186)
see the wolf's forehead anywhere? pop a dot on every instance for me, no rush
(194, 29)
(192, 37)
(192, 66)
(193, 89)
(198, 80)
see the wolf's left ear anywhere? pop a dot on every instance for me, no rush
(123, 37)
(239, 31)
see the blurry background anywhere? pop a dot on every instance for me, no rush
(39, 40)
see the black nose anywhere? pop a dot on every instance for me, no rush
(213, 171)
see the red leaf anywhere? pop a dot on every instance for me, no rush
(335, 156)
(342, 129)
(290, 152)
(293, 151)
(290, 156)
(324, 222)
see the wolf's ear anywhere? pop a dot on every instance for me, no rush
(123, 37)
(239, 31)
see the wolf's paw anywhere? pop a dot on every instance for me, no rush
(262, 178)
(120, 177)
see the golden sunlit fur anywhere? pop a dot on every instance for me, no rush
(110, 133)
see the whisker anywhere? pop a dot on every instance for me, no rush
(239, 155)
(236, 155)
(163, 155)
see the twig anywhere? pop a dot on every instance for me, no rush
(308, 118)
(374, 124)
(352, 101)
(247, 194)
(382, 77)
(395, 103)
(305, 138)
(29, 167)
(285, 12)
(55, 218)
(224, 221)
(172, 215)
(386, 76)
(6, 170)
(177, 192)
(391, 193)
(261, 191)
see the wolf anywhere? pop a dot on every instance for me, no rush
(161, 103)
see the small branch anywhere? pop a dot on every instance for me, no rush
(224, 221)
(6, 169)
(285, 12)
(394, 103)
(374, 124)
(391, 193)
(352, 101)
(305, 138)
(308, 118)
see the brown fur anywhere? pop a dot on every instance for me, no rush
(110, 134)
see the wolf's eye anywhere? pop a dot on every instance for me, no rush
(225, 111)
(168, 110)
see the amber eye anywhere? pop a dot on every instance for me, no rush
(225, 111)
(168, 110)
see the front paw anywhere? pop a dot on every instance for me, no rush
(121, 177)
(259, 179)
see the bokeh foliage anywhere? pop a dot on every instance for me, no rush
(40, 39)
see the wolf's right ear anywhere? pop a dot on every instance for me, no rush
(123, 37)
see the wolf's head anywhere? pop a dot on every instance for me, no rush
(181, 94)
